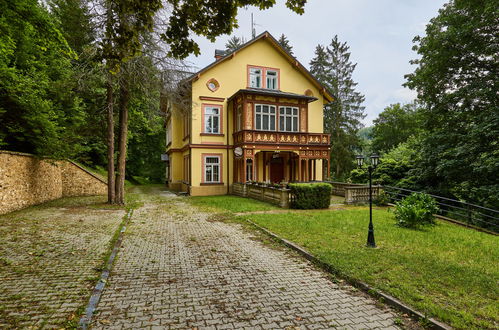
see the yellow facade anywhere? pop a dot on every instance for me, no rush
(196, 155)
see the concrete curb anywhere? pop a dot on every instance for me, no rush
(392, 301)
(99, 287)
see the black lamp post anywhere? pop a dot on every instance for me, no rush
(370, 169)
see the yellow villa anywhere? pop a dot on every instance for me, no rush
(255, 114)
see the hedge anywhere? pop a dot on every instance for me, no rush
(310, 195)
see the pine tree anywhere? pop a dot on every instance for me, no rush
(284, 42)
(234, 43)
(342, 117)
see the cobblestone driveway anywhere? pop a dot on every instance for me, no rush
(48, 260)
(177, 269)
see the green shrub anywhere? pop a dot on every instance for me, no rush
(382, 199)
(310, 195)
(416, 210)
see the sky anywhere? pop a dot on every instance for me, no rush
(379, 34)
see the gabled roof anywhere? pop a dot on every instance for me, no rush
(266, 35)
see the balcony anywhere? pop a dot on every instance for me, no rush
(282, 138)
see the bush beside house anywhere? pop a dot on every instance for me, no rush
(310, 195)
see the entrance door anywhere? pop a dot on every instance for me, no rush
(276, 170)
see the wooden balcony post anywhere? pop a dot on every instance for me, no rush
(300, 176)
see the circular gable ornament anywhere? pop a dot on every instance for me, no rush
(212, 84)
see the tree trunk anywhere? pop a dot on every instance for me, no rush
(122, 140)
(110, 142)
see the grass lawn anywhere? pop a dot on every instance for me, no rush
(446, 271)
(229, 203)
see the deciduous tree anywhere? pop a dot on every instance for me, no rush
(456, 80)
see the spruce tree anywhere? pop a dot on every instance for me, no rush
(342, 117)
(234, 43)
(284, 42)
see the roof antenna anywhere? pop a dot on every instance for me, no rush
(253, 31)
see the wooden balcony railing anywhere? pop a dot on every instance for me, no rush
(250, 136)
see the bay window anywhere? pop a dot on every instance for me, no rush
(265, 117)
(288, 119)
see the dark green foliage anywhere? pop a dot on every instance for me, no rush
(38, 110)
(382, 199)
(284, 42)
(342, 117)
(210, 19)
(393, 126)
(416, 210)
(310, 195)
(456, 81)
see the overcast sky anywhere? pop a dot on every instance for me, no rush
(379, 34)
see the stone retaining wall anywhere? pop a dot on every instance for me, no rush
(27, 180)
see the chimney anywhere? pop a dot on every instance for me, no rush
(219, 54)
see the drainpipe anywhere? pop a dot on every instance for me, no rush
(227, 147)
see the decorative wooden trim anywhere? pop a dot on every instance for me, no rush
(221, 123)
(211, 134)
(210, 145)
(221, 172)
(211, 98)
(211, 184)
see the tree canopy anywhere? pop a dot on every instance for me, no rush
(394, 125)
(456, 81)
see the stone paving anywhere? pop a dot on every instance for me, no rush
(49, 259)
(178, 269)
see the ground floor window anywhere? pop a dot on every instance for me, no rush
(212, 169)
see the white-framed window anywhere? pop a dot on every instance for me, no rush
(255, 77)
(249, 170)
(212, 169)
(272, 78)
(288, 119)
(212, 120)
(265, 117)
(239, 118)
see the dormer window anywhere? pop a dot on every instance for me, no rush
(271, 79)
(255, 78)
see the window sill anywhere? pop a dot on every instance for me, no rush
(212, 134)
(211, 184)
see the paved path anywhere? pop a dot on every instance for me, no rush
(49, 259)
(177, 269)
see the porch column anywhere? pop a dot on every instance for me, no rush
(307, 170)
(314, 168)
(244, 169)
(299, 169)
(264, 163)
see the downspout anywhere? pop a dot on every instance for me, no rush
(227, 148)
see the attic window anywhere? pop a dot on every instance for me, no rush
(308, 92)
(255, 77)
(213, 84)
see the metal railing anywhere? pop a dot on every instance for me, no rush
(472, 214)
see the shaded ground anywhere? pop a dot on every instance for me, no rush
(50, 257)
(180, 268)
